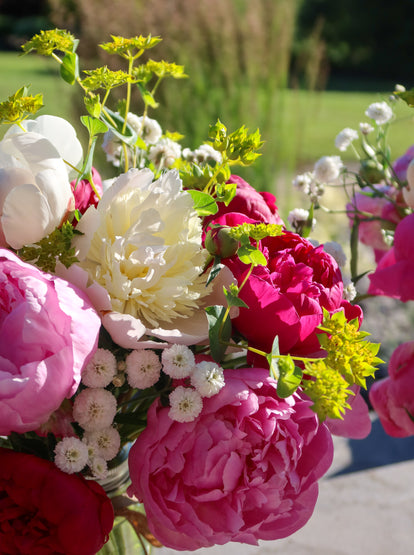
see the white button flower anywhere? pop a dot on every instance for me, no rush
(380, 112)
(328, 169)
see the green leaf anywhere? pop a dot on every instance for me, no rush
(147, 96)
(93, 105)
(248, 254)
(218, 331)
(69, 69)
(215, 270)
(290, 377)
(94, 125)
(116, 124)
(232, 297)
(226, 192)
(272, 358)
(204, 203)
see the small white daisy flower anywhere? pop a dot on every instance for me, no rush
(298, 217)
(207, 378)
(380, 112)
(206, 153)
(328, 169)
(94, 409)
(350, 291)
(336, 251)
(164, 153)
(365, 128)
(399, 88)
(143, 368)
(99, 468)
(178, 361)
(147, 128)
(100, 370)
(186, 404)
(303, 182)
(112, 148)
(345, 138)
(71, 455)
(105, 442)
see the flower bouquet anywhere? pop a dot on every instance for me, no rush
(165, 338)
(380, 204)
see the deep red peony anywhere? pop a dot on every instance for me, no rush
(44, 511)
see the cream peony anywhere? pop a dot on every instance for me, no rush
(142, 244)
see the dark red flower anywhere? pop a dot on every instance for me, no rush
(44, 511)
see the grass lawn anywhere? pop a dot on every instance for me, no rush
(309, 121)
(42, 74)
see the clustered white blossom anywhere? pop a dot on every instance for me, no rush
(101, 369)
(344, 139)
(95, 407)
(298, 217)
(202, 155)
(162, 151)
(350, 291)
(380, 112)
(365, 128)
(143, 368)
(327, 169)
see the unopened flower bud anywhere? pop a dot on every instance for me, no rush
(220, 243)
(371, 171)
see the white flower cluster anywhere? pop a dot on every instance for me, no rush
(204, 154)
(95, 407)
(160, 150)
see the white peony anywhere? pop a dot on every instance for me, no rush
(35, 193)
(142, 244)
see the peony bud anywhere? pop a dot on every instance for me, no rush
(219, 242)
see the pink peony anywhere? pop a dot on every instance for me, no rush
(400, 166)
(245, 469)
(383, 211)
(394, 275)
(48, 331)
(393, 397)
(286, 297)
(254, 204)
(84, 195)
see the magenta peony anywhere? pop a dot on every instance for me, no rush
(394, 275)
(47, 512)
(286, 297)
(393, 397)
(383, 214)
(48, 331)
(258, 205)
(245, 469)
(400, 166)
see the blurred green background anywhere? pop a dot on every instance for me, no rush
(299, 70)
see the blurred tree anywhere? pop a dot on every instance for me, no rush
(362, 38)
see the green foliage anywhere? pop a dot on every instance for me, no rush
(219, 331)
(239, 147)
(55, 247)
(105, 78)
(130, 47)
(47, 42)
(347, 351)
(19, 106)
